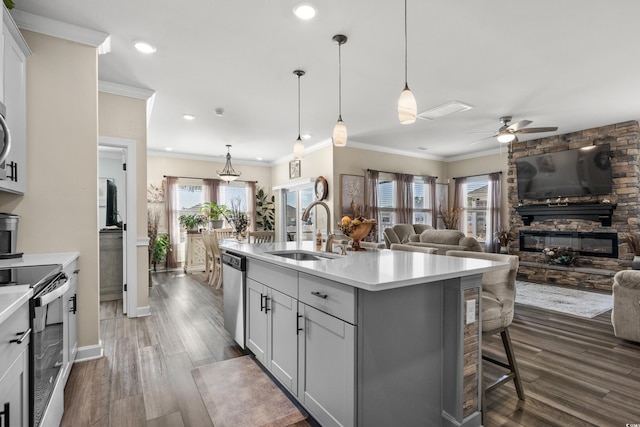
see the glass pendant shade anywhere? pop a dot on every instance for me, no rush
(340, 134)
(228, 173)
(506, 137)
(407, 107)
(298, 149)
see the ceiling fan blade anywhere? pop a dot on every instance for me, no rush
(483, 139)
(536, 130)
(519, 125)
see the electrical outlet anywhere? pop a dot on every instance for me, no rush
(471, 311)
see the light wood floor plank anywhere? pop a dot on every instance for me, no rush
(158, 393)
(128, 412)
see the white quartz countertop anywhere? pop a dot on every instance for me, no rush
(12, 297)
(64, 258)
(373, 270)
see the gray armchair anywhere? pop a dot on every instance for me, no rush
(625, 315)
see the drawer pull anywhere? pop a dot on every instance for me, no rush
(319, 295)
(266, 304)
(24, 336)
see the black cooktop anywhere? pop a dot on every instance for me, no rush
(35, 276)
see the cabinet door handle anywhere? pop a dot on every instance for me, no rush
(298, 328)
(319, 295)
(262, 301)
(13, 174)
(74, 304)
(24, 336)
(266, 304)
(5, 414)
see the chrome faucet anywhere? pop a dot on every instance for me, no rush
(330, 235)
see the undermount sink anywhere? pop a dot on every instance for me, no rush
(304, 255)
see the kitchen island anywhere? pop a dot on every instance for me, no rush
(374, 338)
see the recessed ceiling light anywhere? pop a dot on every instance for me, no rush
(144, 47)
(188, 116)
(304, 11)
(259, 159)
(168, 148)
(306, 136)
(219, 112)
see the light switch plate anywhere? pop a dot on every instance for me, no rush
(471, 311)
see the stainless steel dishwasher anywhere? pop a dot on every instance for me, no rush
(233, 277)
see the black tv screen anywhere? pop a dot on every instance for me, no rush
(580, 172)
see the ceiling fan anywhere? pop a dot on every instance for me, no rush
(508, 133)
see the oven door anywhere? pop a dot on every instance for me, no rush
(47, 345)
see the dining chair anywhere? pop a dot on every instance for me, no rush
(206, 239)
(262, 236)
(216, 273)
(498, 305)
(224, 233)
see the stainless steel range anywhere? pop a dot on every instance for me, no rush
(49, 284)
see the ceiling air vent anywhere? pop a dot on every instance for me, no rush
(444, 110)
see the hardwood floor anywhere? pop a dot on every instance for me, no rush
(575, 372)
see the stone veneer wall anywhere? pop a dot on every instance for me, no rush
(590, 272)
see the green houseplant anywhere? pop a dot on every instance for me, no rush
(192, 221)
(160, 249)
(215, 213)
(265, 211)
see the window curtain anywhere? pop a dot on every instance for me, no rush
(210, 189)
(172, 210)
(432, 199)
(371, 195)
(493, 212)
(404, 198)
(459, 202)
(251, 205)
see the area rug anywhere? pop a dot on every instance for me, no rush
(565, 300)
(236, 392)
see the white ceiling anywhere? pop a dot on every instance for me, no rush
(571, 63)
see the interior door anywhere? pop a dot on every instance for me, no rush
(122, 212)
(295, 201)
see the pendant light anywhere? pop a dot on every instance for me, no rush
(340, 130)
(407, 108)
(228, 173)
(298, 147)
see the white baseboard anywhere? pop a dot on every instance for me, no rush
(143, 311)
(89, 352)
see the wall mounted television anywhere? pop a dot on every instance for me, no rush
(580, 172)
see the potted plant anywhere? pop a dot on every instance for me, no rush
(238, 219)
(160, 249)
(505, 236)
(633, 241)
(192, 222)
(265, 211)
(215, 213)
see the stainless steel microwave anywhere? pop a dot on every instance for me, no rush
(5, 141)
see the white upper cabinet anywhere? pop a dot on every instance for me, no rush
(13, 94)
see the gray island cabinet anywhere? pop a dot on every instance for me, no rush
(375, 339)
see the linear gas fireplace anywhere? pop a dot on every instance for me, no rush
(588, 244)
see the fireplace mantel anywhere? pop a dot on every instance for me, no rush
(588, 211)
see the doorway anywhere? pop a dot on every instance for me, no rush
(117, 225)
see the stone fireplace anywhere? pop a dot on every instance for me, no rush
(590, 224)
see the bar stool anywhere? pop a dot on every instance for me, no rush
(498, 301)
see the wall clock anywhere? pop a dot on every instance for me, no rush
(322, 188)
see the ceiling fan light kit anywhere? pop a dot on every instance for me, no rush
(407, 107)
(340, 129)
(228, 173)
(298, 147)
(505, 137)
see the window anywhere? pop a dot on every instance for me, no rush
(422, 206)
(295, 202)
(233, 194)
(189, 198)
(475, 208)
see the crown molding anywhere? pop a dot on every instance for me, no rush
(203, 158)
(124, 90)
(476, 154)
(62, 30)
(389, 150)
